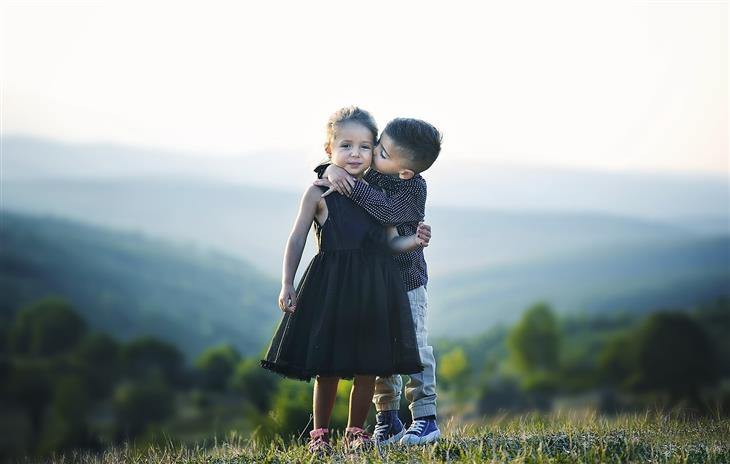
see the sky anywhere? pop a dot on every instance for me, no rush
(618, 85)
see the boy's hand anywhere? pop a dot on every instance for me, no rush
(338, 179)
(288, 299)
(423, 234)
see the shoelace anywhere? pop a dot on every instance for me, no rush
(417, 426)
(380, 430)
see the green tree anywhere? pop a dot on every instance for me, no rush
(292, 407)
(534, 347)
(617, 359)
(216, 366)
(149, 358)
(68, 426)
(138, 404)
(46, 328)
(100, 358)
(453, 366)
(30, 387)
(674, 355)
(256, 384)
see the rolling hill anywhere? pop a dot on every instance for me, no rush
(128, 285)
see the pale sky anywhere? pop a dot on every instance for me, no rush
(613, 85)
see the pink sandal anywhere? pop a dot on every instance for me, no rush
(319, 442)
(358, 439)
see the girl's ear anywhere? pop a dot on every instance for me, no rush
(328, 149)
(406, 174)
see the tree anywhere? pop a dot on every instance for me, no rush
(216, 366)
(453, 366)
(68, 428)
(45, 328)
(534, 346)
(674, 355)
(257, 385)
(100, 357)
(30, 386)
(140, 403)
(148, 358)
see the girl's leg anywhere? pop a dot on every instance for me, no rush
(325, 391)
(361, 397)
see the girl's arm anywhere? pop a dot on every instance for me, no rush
(401, 244)
(295, 246)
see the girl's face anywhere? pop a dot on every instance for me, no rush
(352, 148)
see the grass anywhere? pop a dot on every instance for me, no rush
(557, 438)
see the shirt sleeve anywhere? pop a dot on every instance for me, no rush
(381, 180)
(404, 204)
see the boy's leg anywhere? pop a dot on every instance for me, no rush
(421, 387)
(387, 393)
(388, 427)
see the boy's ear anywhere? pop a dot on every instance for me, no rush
(406, 174)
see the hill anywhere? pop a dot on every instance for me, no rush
(128, 285)
(631, 277)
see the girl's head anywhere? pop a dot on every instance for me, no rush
(351, 134)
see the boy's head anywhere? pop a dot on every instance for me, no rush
(407, 147)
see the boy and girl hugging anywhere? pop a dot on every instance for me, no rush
(360, 309)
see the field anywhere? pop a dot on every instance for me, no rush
(557, 438)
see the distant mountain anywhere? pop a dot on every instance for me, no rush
(254, 223)
(638, 277)
(128, 285)
(503, 236)
(701, 201)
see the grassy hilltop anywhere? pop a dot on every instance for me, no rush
(531, 438)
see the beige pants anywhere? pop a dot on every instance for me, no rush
(421, 387)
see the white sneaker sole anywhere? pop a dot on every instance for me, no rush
(394, 439)
(414, 440)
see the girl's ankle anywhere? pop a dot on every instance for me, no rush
(319, 433)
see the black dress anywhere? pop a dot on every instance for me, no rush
(353, 316)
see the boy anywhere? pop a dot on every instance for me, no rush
(406, 148)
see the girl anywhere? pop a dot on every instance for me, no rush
(350, 316)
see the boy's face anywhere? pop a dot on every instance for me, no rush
(388, 158)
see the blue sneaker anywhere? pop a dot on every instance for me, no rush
(420, 432)
(388, 428)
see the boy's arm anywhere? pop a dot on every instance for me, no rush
(406, 203)
(402, 244)
(339, 179)
(381, 180)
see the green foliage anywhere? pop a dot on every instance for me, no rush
(149, 358)
(30, 386)
(534, 346)
(67, 427)
(453, 366)
(673, 355)
(140, 403)
(256, 384)
(46, 328)
(617, 360)
(292, 407)
(216, 366)
(100, 356)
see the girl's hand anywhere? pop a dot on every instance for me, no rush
(288, 299)
(423, 234)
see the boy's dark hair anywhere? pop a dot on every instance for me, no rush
(420, 141)
(350, 114)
